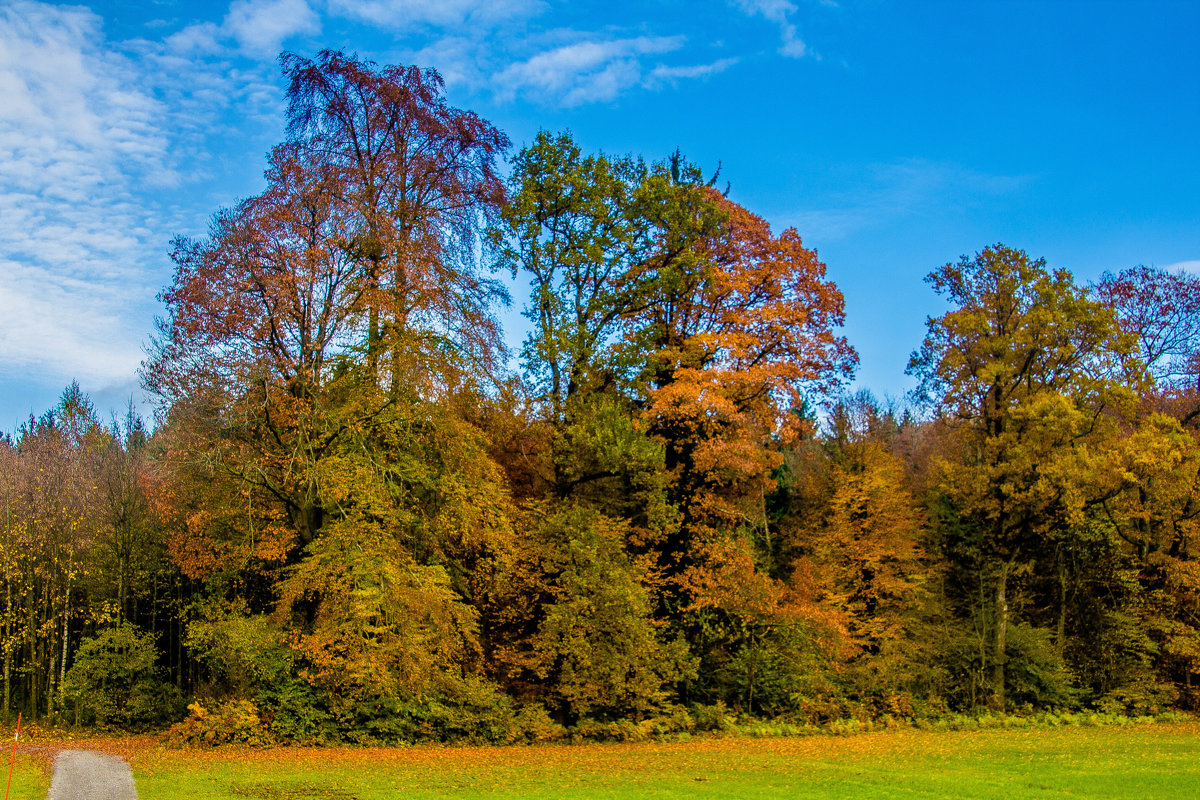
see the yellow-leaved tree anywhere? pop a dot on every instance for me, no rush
(1025, 368)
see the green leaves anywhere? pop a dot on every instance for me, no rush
(597, 643)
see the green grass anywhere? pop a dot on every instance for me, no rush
(1151, 761)
(29, 778)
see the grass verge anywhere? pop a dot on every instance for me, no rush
(30, 776)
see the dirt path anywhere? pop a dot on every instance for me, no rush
(86, 775)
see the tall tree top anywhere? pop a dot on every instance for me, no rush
(1015, 328)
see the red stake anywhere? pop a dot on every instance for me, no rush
(16, 736)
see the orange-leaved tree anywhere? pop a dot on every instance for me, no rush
(735, 336)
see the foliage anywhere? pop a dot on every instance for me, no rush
(351, 522)
(597, 645)
(232, 722)
(115, 682)
(1024, 367)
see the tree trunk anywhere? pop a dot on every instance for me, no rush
(1061, 632)
(8, 645)
(49, 648)
(178, 618)
(34, 666)
(1000, 643)
(60, 703)
(120, 590)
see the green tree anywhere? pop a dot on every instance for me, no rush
(115, 681)
(597, 643)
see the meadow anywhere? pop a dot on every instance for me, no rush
(1145, 761)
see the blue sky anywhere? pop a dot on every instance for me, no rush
(894, 136)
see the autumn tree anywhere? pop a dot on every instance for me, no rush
(415, 181)
(13, 525)
(594, 234)
(324, 345)
(647, 282)
(737, 333)
(1024, 368)
(363, 239)
(1161, 311)
(871, 545)
(260, 320)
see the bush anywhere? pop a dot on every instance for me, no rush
(713, 718)
(231, 722)
(248, 660)
(115, 682)
(1147, 698)
(533, 724)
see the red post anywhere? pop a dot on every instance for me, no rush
(13, 760)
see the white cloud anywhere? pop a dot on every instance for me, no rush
(200, 38)
(261, 26)
(76, 131)
(456, 58)
(665, 73)
(779, 12)
(101, 146)
(66, 102)
(55, 326)
(583, 72)
(258, 27)
(404, 14)
(569, 68)
(885, 193)
(1192, 266)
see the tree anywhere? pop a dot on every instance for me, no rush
(324, 346)
(572, 226)
(1161, 310)
(363, 242)
(735, 336)
(597, 642)
(651, 292)
(1024, 367)
(115, 681)
(414, 180)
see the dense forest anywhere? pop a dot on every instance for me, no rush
(356, 518)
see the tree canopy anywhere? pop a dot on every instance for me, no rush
(354, 519)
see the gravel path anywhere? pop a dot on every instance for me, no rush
(84, 775)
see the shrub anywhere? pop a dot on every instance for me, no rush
(231, 722)
(248, 660)
(115, 682)
(533, 724)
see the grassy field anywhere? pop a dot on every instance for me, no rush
(1154, 761)
(1161, 761)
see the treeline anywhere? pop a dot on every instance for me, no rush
(82, 555)
(353, 522)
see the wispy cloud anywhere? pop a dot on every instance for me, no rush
(102, 144)
(408, 14)
(913, 188)
(779, 12)
(76, 132)
(258, 28)
(261, 26)
(662, 72)
(461, 60)
(583, 72)
(1192, 266)
(496, 47)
